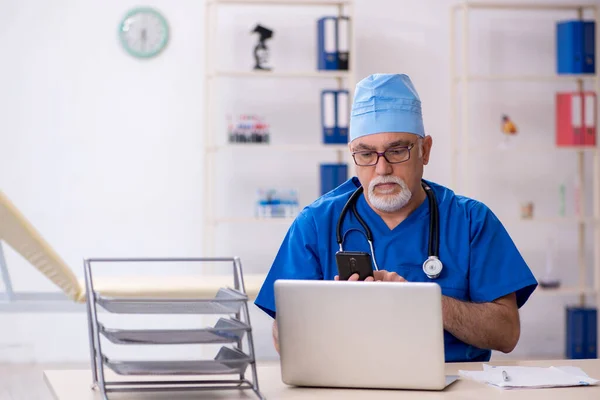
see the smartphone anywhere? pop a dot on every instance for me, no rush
(353, 262)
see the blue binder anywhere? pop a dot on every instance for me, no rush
(335, 115)
(342, 111)
(332, 176)
(327, 54)
(343, 43)
(328, 116)
(575, 47)
(581, 332)
(591, 343)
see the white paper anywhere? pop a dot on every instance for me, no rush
(530, 377)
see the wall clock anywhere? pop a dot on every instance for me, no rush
(144, 32)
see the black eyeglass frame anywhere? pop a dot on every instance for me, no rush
(382, 154)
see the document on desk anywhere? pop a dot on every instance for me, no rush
(515, 377)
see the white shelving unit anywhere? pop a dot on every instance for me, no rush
(342, 79)
(462, 78)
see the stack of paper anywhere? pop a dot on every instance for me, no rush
(530, 377)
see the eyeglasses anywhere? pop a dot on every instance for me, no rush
(395, 155)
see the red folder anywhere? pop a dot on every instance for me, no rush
(576, 119)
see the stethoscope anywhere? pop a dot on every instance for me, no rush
(432, 267)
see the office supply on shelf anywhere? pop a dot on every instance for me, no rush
(332, 176)
(575, 41)
(230, 330)
(261, 51)
(335, 115)
(274, 203)
(581, 338)
(342, 111)
(343, 42)
(576, 119)
(248, 129)
(327, 52)
(514, 377)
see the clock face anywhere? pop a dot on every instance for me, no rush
(144, 32)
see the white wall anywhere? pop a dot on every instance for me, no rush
(103, 153)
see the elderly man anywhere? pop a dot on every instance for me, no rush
(484, 279)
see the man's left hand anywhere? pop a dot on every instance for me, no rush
(380, 276)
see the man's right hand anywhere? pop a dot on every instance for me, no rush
(382, 276)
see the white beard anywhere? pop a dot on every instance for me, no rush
(389, 202)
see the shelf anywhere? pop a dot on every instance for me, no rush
(563, 291)
(552, 220)
(227, 361)
(517, 148)
(284, 74)
(283, 2)
(525, 6)
(251, 220)
(527, 78)
(278, 147)
(224, 331)
(226, 301)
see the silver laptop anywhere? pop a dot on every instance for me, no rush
(377, 335)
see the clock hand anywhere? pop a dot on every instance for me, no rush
(144, 36)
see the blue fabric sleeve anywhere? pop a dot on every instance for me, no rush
(297, 258)
(496, 268)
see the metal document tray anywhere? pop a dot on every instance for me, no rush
(227, 361)
(225, 331)
(226, 301)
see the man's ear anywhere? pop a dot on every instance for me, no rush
(427, 143)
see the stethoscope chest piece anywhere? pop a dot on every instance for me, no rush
(432, 267)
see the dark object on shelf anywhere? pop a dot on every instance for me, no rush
(581, 332)
(261, 52)
(248, 129)
(575, 52)
(549, 284)
(332, 176)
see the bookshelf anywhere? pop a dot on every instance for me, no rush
(215, 146)
(587, 158)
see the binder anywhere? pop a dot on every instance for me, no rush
(328, 116)
(343, 42)
(590, 119)
(576, 337)
(575, 42)
(582, 330)
(327, 57)
(335, 116)
(591, 343)
(332, 176)
(576, 119)
(342, 109)
(589, 47)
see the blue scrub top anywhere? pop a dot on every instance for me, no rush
(481, 262)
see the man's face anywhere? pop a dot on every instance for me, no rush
(389, 186)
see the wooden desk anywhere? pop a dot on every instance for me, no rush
(75, 385)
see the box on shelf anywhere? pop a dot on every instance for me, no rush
(581, 333)
(576, 119)
(332, 176)
(335, 115)
(273, 203)
(333, 43)
(575, 47)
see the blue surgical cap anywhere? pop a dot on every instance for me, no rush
(386, 103)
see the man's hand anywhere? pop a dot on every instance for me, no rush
(380, 276)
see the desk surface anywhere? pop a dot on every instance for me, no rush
(75, 385)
